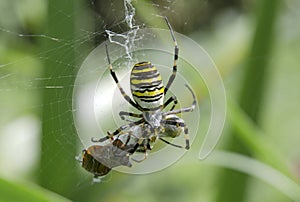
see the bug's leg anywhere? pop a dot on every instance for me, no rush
(140, 142)
(113, 74)
(118, 131)
(149, 146)
(146, 145)
(176, 52)
(96, 179)
(185, 109)
(122, 115)
(80, 158)
(170, 100)
(143, 159)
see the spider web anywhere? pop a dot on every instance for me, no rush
(21, 79)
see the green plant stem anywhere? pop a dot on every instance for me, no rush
(233, 185)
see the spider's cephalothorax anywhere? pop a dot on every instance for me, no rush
(141, 137)
(148, 94)
(146, 86)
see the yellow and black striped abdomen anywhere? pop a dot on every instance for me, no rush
(146, 85)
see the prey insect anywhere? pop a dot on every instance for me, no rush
(148, 92)
(99, 160)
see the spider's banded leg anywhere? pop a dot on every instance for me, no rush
(122, 115)
(171, 99)
(176, 52)
(185, 109)
(167, 142)
(148, 146)
(178, 111)
(113, 74)
(185, 129)
(128, 149)
(136, 146)
(119, 130)
(134, 149)
(186, 137)
(123, 146)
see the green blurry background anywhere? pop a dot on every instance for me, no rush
(256, 46)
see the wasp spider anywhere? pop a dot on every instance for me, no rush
(148, 92)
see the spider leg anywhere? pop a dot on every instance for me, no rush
(167, 142)
(171, 99)
(186, 133)
(113, 74)
(123, 146)
(186, 136)
(176, 52)
(185, 109)
(134, 149)
(129, 149)
(122, 114)
(118, 131)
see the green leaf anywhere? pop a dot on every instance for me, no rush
(256, 169)
(259, 143)
(25, 191)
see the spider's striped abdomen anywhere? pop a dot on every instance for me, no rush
(146, 85)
